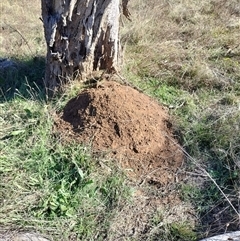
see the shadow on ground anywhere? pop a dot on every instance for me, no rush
(23, 77)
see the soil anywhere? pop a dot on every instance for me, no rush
(131, 129)
(123, 124)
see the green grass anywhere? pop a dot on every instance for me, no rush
(45, 184)
(186, 55)
(27, 74)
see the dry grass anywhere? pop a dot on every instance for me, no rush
(22, 43)
(21, 33)
(187, 54)
(177, 41)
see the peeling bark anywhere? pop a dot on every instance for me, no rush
(82, 36)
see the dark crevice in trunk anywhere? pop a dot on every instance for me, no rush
(80, 38)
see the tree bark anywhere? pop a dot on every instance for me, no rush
(82, 36)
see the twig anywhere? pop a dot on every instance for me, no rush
(207, 174)
(15, 29)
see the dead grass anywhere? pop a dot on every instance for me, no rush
(21, 33)
(186, 53)
(181, 40)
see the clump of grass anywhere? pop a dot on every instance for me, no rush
(44, 180)
(25, 77)
(165, 226)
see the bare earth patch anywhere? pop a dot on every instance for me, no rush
(125, 125)
(121, 123)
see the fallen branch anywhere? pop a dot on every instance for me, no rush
(207, 174)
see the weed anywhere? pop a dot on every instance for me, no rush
(49, 181)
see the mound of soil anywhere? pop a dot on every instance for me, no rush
(126, 125)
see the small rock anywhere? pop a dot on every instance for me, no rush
(233, 236)
(29, 237)
(6, 63)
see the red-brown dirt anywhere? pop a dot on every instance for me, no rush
(126, 125)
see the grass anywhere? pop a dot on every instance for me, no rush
(22, 42)
(183, 53)
(186, 54)
(47, 185)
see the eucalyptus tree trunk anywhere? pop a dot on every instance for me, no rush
(82, 36)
